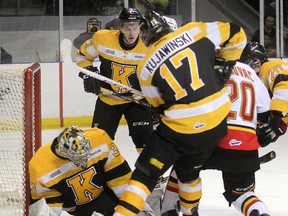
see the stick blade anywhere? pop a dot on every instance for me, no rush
(66, 48)
(267, 157)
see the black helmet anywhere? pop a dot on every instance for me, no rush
(253, 51)
(153, 27)
(130, 15)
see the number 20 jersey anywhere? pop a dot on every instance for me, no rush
(249, 97)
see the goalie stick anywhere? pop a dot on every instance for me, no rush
(267, 157)
(66, 48)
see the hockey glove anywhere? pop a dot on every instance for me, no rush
(266, 135)
(155, 118)
(277, 124)
(271, 131)
(223, 69)
(91, 85)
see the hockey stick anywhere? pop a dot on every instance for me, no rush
(136, 99)
(267, 157)
(66, 48)
(147, 5)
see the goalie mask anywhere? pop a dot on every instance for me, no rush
(73, 145)
(252, 52)
(153, 27)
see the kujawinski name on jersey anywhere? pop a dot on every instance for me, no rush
(164, 52)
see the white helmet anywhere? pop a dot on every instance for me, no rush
(73, 145)
(171, 22)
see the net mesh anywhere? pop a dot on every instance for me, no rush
(12, 140)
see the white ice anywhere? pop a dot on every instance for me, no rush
(271, 180)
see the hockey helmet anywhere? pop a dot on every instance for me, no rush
(171, 22)
(252, 52)
(130, 15)
(74, 145)
(153, 27)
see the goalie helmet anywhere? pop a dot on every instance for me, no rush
(130, 15)
(252, 52)
(153, 27)
(73, 145)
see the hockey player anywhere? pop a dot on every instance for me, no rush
(274, 74)
(80, 172)
(120, 52)
(178, 79)
(236, 154)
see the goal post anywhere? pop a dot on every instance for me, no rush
(20, 134)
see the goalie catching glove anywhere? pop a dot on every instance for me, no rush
(91, 85)
(223, 69)
(271, 131)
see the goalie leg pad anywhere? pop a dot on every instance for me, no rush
(41, 208)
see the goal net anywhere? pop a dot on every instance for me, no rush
(20, 134)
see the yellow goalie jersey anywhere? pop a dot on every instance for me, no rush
(177, 75)
(116, 63)
(274, 74)
(65, 186)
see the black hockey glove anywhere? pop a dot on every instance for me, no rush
(223, 69)
(271, 131)
(91, 85)
(155, 118)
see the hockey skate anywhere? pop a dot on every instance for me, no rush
(255, 212)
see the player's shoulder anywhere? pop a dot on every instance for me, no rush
(97, 136)
(44, 150)
(243, 72)
(45, 161)
(245, 66)
(272, 63)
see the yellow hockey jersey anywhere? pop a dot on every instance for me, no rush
(177, 75)
(65, 186)
(116, 63)
(274, 74)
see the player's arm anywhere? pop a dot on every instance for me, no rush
(280, 93)
(84, 58)
(117, 170)
(229, 36)
(270, 127)
(38, 191)
(86, 54)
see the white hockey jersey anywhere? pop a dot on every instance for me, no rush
(249, 97)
